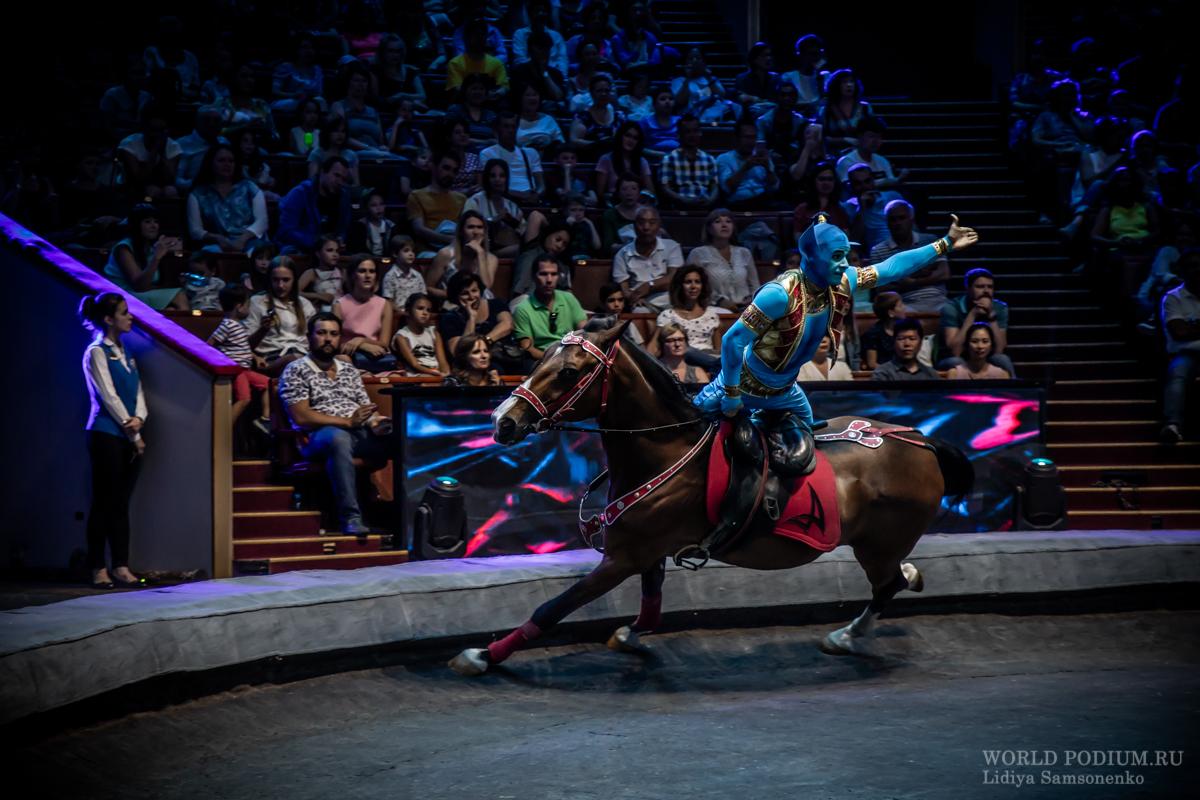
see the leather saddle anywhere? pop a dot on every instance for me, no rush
(766, 453)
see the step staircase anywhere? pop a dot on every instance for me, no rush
(271, 535)
(1103, 398)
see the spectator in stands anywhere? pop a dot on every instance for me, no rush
(526, 180)
(662, 126)
(133, 263)
(608, 313)
(168, 55)
(115, 443)
(417, 342)
(842, 109)
(1058, 133)
(567, 158)
(505, 220)
(193, 147)
(363, 121)
(316, 208)
(637, 104)
(475, 313)
(121, 105)
(691, 311)
(472, 109)
(1125, 229)
(745, 174)
(807, 77)
(1175, 120)
(223, 73)
(333, 141)
(546, 314)
(241, 108)
(469, 252)
(1164, 271)
(537, 72)
(823, 367)
(596, 29)
(371, 234)
(538, 12)
(258, 278)
(867, 207)
(278, 318)
(232, 339)
(1150, 165)
(729, 269)
(635, 47)
(394, 81)
(1096, 164)
(328, 403)
(878, 342)
(433, 211)
(536, 128)
(475, 60)
(616, 223)
(472, 362)
(253, 160)
(585, 239)
(366, 317)
(478, 11)
(595, 128)
(980, 347)
(295, 82)
(822, 195)
(924, 290)
(625, 157)
(403, 279)
(646, 266)
(674, 349)
(578, 87)
(1181, 328)
(688, 174)
(700, 93)
(321, 283)
(405, 138)
(758, 86)
(978, 305)
(780, 125)
(904, 365)
(201, 286)
(149, 159)
(870, 137)
(554, 244)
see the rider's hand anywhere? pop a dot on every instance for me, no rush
(961, 238)
(730, 406)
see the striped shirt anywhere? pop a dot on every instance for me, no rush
(232, 339)
(691, 179)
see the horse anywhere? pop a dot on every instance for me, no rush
(887, 497)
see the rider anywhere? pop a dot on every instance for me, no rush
(783, 326)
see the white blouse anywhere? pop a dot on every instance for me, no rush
(733, 282)
(699, 330)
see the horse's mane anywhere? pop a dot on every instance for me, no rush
(667, 390)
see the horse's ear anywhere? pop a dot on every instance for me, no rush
(610, 335)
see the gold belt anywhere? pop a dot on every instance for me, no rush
(749, 384)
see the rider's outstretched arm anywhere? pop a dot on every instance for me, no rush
(909, 261)
(769, 304)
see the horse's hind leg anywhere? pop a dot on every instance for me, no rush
(607, 575)
(626, 639)
(888, 576)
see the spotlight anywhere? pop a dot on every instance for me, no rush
(1041, 502)
(439, 527)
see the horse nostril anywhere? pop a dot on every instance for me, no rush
(505, 427)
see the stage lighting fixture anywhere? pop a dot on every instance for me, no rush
(439, 528)
(1041, 503)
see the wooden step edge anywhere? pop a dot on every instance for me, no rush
(1125, 513)
(1116, 363)
(1130, 489)
(263, 487)
(1065, 326)
(1081, 445)
(1142, 401)
(1091, 381)
(372, 537)
(275, 514)
(1113, 422)
(1123, 467)
(334, 557)
(252, 462)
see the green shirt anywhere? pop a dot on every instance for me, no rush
(531, 319)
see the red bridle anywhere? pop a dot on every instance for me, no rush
(553, 411)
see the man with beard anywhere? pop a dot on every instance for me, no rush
(337, 421)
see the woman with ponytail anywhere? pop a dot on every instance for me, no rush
(115, 440)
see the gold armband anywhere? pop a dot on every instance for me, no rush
(942, 246)
(867, 277)
(733, 391)
(754, 319)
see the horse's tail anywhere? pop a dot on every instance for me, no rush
(958, 474)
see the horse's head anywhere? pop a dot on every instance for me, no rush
(569, 383)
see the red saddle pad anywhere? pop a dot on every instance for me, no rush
(811, 515)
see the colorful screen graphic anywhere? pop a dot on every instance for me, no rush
(525, 498)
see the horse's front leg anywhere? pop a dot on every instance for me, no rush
(607, 575)
(626, 639)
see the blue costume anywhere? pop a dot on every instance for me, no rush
(783, 326)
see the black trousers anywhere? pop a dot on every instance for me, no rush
(115, 467)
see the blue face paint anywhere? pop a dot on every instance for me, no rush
(824, 248)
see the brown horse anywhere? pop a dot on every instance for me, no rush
(887, 497)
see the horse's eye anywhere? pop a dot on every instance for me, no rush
(568, 374)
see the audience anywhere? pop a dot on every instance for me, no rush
(366, 317)
(699, 93)
(595, 128)
(472, 362)
(980, 347)
(315, 209)
(365, 126)
(538, 13)
(730, 269)
(417, 343)
(474, 58)
(644, 268)
(904, 365)
(328, 404)
(867, 207)
(823, 367)
(332, 140)
(616, 223)
(624, 158)
(296, 82)
(525, 179)
(547, 314)
(321, 283)
(745, 174)
(403, 278)
(225, 211)
(201, 286)
(1181, 330)
(472, 109)
(371, 233)
(538, 74)
(554, 244)
(923, 290)
(690, 310)
(233, 339)
(661, 126)
(535, 128)
(608, 313)
(842, 109)
(758, 87)
(194, 146)
(470, 252)
(674, 347)
(279, 318)
(689, 175)
(877, 342)
(505, 220)
(807, 77)
(433, 211)
(394, 81)
(242, 109)
(822, 195)
(149, 159)
(978, 305)
(476, 314)
(870, 137)
(134, 262)
(121, 105)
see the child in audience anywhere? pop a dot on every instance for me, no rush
(638, 104)
(321, 283)
(254, 163)
(200, 284)
(418, 343)
(405, 138)
(232, 339)
(371, 233)
(403, 280)
(567, 159)
(585, 239)
(306, 136)
(258, 279)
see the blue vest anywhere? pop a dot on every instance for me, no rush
(125, 382)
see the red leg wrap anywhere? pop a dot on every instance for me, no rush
(501, 650)
(650, 614)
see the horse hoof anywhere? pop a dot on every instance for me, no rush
(916, 581)
(626, 640)
(470, 662)
(842, 643)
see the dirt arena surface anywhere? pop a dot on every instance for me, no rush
(718, 713)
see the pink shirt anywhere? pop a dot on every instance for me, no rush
(361, 319)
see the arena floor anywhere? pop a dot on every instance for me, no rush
(720, 713)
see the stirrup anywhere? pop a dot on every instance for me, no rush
(686, 555)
